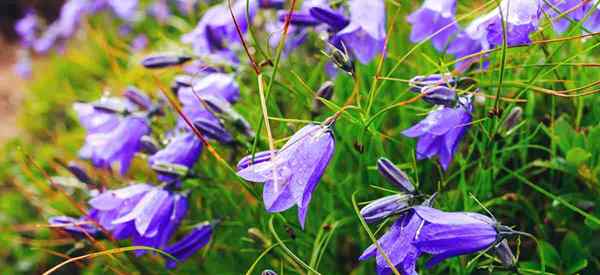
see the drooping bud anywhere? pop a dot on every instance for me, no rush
(394, 175)
(149, 145)
(324, 92)
(77, 171)
(385, 207)
(512, 120)
(214, 130)
(138, 97)
(341, 59)
(504, 253)
(163, 61)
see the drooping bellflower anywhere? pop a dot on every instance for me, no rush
(149, 215)
(183, 150)
(291, 174)
(441, 131)
(189, 244)
(434, 16)
(486, 32)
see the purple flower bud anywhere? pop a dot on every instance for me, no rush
(138, 97)
(149, 145)
(189, 244)
(299, 18)
(419, 82)
(271, 4)
(178, 157)
(184, 80)
(163, 61)
(439, 95)
(330, 17)
(505, 254)
(77, 171)
(214, 130)
(324, 92)
(394, 175)
(513, 118)
(268, 272)
(385, 207)
(79, 228)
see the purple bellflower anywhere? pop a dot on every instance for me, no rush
(291, 174)
(486, 32)
(592, 24)
(363, 33)
(449, 234)
(189, 244)
(397, 245)
(433, 16)
(441, 131)
(183, 150)
(216, 28)
(149, 215)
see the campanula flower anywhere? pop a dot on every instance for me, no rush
(183, 149)
(189, 244)
(395, 176)
(291, 174)
(216, 31)
(214, 84)
(449, 234)
(385, 207)
(486, 32)
(563, 12)
(441, 131)
(397, 244)
(363, 32)
(164, 60)
(117, 145)
(147, 214)
(433, 16)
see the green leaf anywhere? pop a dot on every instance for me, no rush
(550, 255)
(577, 156)
(572, 252)
(577, 266)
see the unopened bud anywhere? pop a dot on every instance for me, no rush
(385, 207)
(394, 175)
(163, 61)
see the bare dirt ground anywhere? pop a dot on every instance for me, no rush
(11, 92)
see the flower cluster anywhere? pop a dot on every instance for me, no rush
(420, 230)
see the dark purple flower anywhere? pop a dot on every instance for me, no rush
(441, 131)
(365, 35)
(149, 215)
(79, 172)
(189, 244)
(292, 173)
(449, 234)
(216, 28)
(80, 228)
(164, 60)
(27, 28)
(397, 244)
(486, 32)
(385, 207)
(431, 18)
(183, 149)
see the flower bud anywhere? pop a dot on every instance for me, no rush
(512, 120)
(170, 168)
(385, 207)
(77, 171)
(341, 60)
(325, 92)
(268, 272)
(394, 175)
(149, 145)
(504, 253)
(336, 21)
(439, 95)
(271, 4)
(138, 97)
(214, 130)
(163, 61)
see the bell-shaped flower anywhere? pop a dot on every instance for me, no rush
(189, 244)
(183, 149)
(292, 173)
(441, 131)
(434, 16)
(149, 215)
(449, 234)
